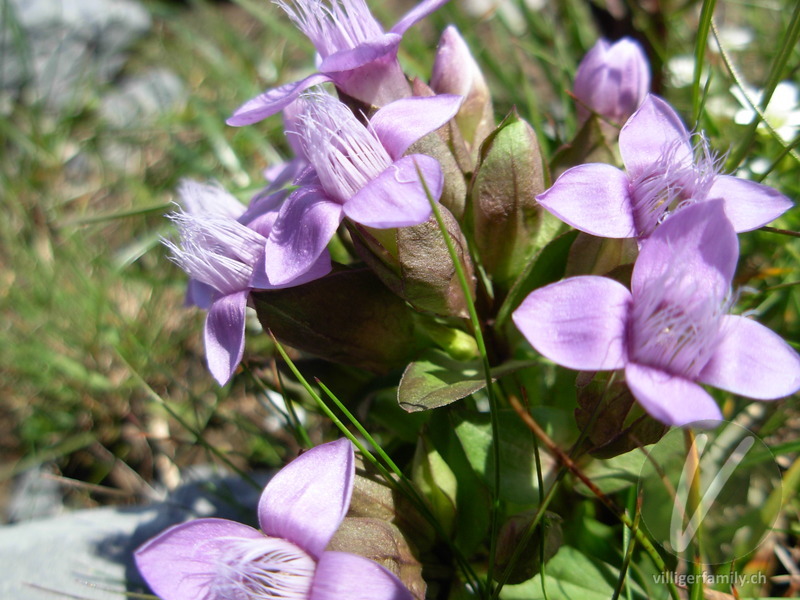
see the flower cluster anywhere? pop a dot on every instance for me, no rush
(344, 169)
(435, 213)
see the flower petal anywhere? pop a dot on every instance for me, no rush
(594, 198)
(419, 12)
(208, 198)
(224, 335)
(306, 501)
(748, 204)
(403, 122)
(753, 361)
(671, 399)
(199, 294)
(652, 131)
(699, 240)
(321, 267)
(396, 197)
(272, 101)
(344, 575)
(306, 223)
(364, 53)
(578, 323)
(181, 562)
(612, 80)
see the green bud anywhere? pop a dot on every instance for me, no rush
(415, 264)
(507, 222)
(448, 147)
(437, 482)
(589, 145)
(381, 541)
(458, 344)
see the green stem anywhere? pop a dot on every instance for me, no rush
(699, 53)
(693, 508)
(487, 372)
(785, 50)
(400, 482)
(567, 462)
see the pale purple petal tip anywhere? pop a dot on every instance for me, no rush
(343, 575)
(594, 198)
(306, 501)
(653, 130)
(403, 122)
(224, 335)
(578, 323)
(612, 80)
(396, 198)
(199, 199)
(752, 361)
(419, 12)
(272, 101)
(181, 562)
(363, 54)
(321, 267)
(670, 399)
(748, 204)
(199, 294)
(306, 223)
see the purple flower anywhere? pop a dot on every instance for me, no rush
(671, 331)
(225, 260)
(612, 80)
(299, 511)
(456, 72)
(354, 53)
(359, 172)
(661, 177)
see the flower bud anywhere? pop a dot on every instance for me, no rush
(456, 72)
(381, 541)
(415, 264)
(448, 147)
(612, 80)
(507, 221)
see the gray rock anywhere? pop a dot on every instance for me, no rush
(141, 98)
(88, 554)
(34, 496)
(60, 49)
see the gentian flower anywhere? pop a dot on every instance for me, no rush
(359, 172)
(661, 177)
(671, 331)
(299, 511)
(612, 80)
(456, 72)
(225, 260)
(354, 53)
